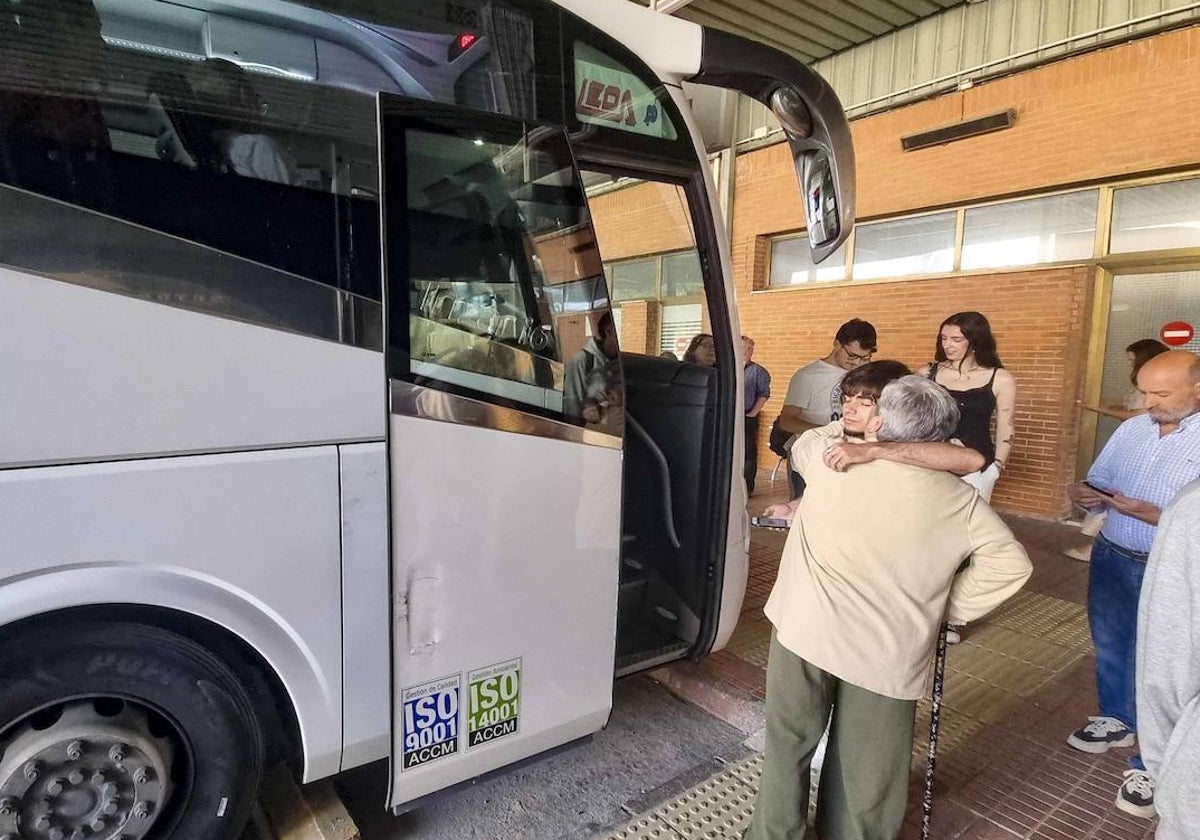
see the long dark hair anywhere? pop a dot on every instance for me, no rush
(980, 340)
(690, 354)
(1143, 350)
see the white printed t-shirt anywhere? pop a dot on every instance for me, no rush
(815, 390)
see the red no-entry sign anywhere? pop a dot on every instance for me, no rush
(1176, 333)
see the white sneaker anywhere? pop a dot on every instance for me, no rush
(953, 636)
(1101, 735)
(1136, 794)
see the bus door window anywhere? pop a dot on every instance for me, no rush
(506, 295)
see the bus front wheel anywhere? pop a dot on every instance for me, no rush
(123, 730)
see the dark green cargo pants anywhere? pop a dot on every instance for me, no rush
(864, 780)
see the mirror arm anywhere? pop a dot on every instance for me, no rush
(761, 72)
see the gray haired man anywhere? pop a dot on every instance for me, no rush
(867, 574)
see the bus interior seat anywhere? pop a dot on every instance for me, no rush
(189, 136)
(506, 328)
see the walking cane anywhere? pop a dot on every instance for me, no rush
(935, 714)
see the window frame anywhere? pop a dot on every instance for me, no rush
(658, 296)
(955, 242)
(1101, 254)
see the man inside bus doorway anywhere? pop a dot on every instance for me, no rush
(592, 378)
(867, 574)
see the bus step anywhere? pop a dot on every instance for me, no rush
(632, 571)
(286, 811)
(632, 594)
(642, 660)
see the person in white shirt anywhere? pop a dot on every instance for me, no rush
(246, 149)
(814, 397)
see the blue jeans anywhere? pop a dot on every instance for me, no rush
(1114, 585)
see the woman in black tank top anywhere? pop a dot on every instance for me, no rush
(967, 365)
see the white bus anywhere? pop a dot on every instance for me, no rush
(315, 441)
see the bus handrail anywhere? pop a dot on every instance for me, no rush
(665, 470)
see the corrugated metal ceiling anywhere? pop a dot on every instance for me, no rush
(808, 29)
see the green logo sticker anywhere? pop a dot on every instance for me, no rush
(494, 695)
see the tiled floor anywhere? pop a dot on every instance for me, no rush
(1018, 685)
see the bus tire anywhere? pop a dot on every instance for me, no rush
(158, 731)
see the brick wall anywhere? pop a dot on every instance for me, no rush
(1039, 318)
(639, 327)
(1113, 113)
(645, 219)
(1126, 109)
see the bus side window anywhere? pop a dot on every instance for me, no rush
(193, 183)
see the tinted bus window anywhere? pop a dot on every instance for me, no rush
(249, 129)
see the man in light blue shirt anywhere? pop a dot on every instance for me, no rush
(1147, 461)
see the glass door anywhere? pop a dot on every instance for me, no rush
(1160, 305)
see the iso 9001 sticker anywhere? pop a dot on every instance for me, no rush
(430, 721)
(495, 702)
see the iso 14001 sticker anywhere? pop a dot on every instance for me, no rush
(495, 702)
(430, 721)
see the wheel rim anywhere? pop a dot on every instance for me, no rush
(93, 769)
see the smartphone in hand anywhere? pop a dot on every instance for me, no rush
(771, 522)
(1100, 490)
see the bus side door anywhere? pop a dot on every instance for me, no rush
(505, 446)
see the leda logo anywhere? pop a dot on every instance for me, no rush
(606, 102)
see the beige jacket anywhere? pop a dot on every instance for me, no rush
(870, 563)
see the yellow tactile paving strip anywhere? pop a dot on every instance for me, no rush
(718, 807)
(751, 639)
(1002, 661)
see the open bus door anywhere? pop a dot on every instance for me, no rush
(505, 435)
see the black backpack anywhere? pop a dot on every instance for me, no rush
(777, 440)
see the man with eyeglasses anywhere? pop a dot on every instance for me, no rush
(813, 397)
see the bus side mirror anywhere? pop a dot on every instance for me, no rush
(820, 200)
(812, 119)
(818, 135)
